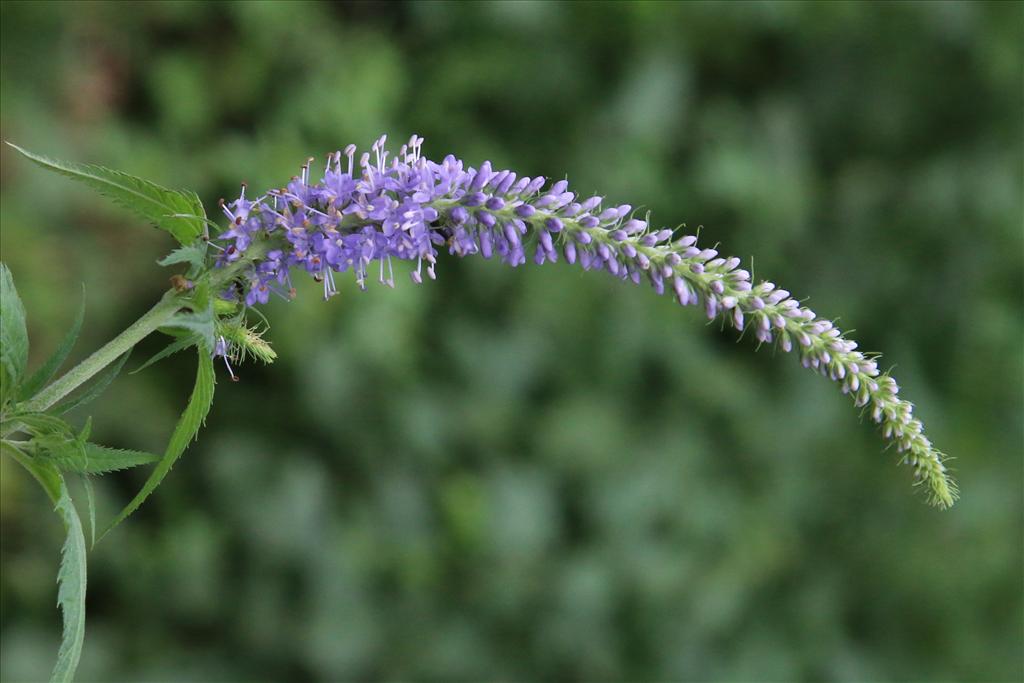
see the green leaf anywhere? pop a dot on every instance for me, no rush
(193, 254)
(167, 209)
(90, 497)
(13, 335)
(90, 458)
(71, 580)
(72, 573)
(41, 376)
(199, 324)
(197, 213)
(83, 436)
(169, 350)
(201, 320)
(189, 424)
(103, 381)
(37, 424)
(206, 221)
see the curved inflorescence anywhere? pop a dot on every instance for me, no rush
(410, 208)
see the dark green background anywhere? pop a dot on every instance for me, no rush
(541, 473)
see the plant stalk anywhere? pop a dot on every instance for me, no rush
(154, 318)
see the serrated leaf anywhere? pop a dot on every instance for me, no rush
(100, 385)
(71, 581)
(200, 325)
(13, 335)
(193, 254)
(159, 205)
(197, 213)
(201, 320)
(71, 578)
(169, 350)
(41, 376)
(188, 425)
(90, 458)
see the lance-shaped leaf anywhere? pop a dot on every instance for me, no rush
(199, 325)
(187, 427)
(178, 212)
(36, 424)
(187, 341)
(13, 335)
(70, 455)
(90, 498)
(41, 376)
(71, 580)
(193, 254)
(100, 385)
(200, 322)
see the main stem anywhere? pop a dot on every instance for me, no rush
(154, 318)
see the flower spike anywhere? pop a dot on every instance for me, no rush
(412, 207)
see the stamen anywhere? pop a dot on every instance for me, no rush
(222, 348)
(231, 373)
(350, 152)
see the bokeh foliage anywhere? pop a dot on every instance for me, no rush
(541, 473)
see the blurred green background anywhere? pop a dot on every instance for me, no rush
(540, 473)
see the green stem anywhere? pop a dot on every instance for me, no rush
(156, 317)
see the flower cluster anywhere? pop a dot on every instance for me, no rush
(410, 207)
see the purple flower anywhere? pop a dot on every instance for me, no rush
(361, 217)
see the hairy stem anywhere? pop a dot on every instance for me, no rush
(107, 354)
